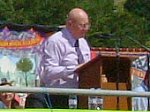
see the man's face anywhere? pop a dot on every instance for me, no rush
(80, 27)
(6, 96)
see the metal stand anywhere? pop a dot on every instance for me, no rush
(147, 73)
(117, 47)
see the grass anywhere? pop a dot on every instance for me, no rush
(57, 110)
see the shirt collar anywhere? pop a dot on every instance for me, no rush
(68, 35)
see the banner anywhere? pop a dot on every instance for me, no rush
(20, 53)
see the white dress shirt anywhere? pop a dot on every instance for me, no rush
(60, 59)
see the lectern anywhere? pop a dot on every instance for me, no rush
(102, 72)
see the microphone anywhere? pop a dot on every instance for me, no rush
(102, 36)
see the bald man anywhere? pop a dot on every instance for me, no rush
(63, 52)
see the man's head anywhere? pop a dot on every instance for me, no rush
(6, 97)
(78, 22)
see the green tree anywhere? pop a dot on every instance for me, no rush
(138, 7)
(25, 65)
(107, 16)
(139, 10)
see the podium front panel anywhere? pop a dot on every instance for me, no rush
(117, 77)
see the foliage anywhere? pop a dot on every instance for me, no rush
(122, 24)
(139, 7)
(46, 12)
(105, 16)
(25, 65)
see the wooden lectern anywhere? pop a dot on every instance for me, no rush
(102, 72)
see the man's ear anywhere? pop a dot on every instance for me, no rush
(69, 22)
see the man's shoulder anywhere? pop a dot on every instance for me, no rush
(2, 105)
(56, 39)
(56, 36)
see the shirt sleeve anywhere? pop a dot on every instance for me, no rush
(52, 59)
(2, 105)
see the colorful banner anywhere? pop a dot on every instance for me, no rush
(19, 50)
(24, 39)
(21, 43)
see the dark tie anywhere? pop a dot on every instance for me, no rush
(80, 56)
